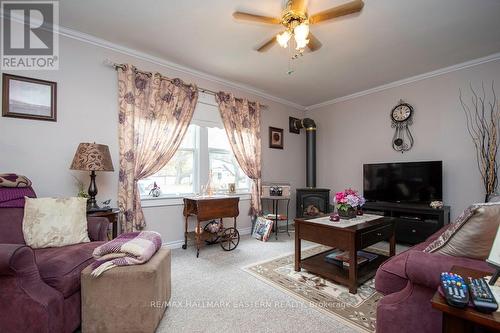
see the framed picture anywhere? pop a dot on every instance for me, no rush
(275, 138)
(294, 125)
(262, 229)
(28, 98)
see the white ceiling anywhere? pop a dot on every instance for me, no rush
(388, 41)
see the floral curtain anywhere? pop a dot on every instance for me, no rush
(241, 120)
(154, 115)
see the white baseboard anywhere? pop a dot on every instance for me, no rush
(174, 244)
(177, 244)
(245, 231)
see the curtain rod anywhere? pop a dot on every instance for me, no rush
(114, 65)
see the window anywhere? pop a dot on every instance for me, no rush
(225, 168)
(204, 147)
(178, 176)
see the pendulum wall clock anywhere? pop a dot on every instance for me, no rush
(402, 118)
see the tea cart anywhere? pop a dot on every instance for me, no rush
(213, 209)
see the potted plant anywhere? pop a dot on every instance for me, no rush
(348, 202)
(81, 189)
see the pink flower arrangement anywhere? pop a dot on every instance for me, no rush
(348, 199)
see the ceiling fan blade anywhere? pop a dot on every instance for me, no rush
(345, 9)
(299, 6)
(267, 45)
(314, 43)
(255, 18)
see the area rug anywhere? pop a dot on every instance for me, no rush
(358, 311)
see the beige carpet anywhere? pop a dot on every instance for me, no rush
(358, 311)
(213, 294)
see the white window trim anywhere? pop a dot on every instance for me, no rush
(178, 200)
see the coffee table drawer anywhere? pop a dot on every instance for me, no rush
(374, 236)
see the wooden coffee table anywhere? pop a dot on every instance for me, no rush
(351, 238)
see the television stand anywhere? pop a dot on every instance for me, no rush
(414, 222)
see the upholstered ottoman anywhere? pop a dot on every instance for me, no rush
(127, 299)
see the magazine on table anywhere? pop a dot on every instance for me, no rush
(273, 217)
(341, 257)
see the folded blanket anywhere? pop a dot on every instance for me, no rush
(133, 248)
(13, 197)
(14, 180)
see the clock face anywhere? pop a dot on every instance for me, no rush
(401, 112)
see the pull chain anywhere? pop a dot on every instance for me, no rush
(290, 59)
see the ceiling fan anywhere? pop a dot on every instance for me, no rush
(296, 20)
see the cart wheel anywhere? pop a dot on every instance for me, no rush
(230, 239)
(212, 237)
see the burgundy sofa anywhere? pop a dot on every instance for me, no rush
(408, 281)
(40, 289)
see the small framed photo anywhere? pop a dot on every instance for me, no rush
(28, 98)
(275, 138)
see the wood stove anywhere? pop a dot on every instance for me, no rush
(311, 201)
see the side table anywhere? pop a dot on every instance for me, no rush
(113, 217)
(275, 201)
(465, 320)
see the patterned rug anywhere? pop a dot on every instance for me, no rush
(358, 310)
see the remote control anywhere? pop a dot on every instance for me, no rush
(455, 289)
(481, 295)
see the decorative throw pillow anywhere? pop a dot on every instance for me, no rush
(472, 234)
(14, 180)
(53, 222)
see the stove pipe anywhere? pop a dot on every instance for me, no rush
(310, 127)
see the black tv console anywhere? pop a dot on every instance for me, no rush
(414, 223)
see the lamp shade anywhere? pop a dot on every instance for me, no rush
(92, 157)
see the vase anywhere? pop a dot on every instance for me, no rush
(347, 214)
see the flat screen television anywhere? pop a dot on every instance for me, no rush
(408, 182)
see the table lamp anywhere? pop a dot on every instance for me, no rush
(92, 157)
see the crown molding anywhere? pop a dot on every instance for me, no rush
(416, 78)
(90, 39)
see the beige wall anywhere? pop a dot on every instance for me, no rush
(87, 111)
(359, 131)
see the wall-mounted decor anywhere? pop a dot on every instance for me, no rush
(401, 119)
(28, 98)
(275, 138)
(482, 115)
(294, 125)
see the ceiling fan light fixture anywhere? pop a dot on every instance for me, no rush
(283, 38)
(300, 34)
(301, 45)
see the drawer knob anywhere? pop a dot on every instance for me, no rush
(379, 234)
(413, 230)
